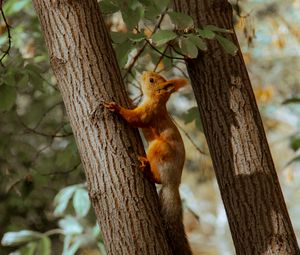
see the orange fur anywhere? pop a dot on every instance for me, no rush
(165, 153)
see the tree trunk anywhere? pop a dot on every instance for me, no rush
(84, 63)
(249, 186)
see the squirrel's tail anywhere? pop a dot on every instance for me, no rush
(171, 210)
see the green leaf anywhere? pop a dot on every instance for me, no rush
(293, 100)
(81, 203)
(188, 48)
(16, 238)
(295, 143)
(205, 33)
(76, 243)
(146, 2)
(107, 7)
(132, 17)
(151, 12)
(181, 20)
(23, 82)
(12, 7)
(70, 226)
(62, 198)
(101, 248)
(8, 97)
(10, 77)
(228, 45)
(65, 159)
(136, 37)
(217, 29)
(122, 51)
(163, 36)
(161, 4)
(197, 41)
(293, 160)
(193, 115)
(29, 249)
(44, 246)
(118, 37)
(35, 77)
(96, 231)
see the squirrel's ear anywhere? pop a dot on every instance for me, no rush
(176, 84)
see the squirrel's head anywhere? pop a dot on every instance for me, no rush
(154, 85)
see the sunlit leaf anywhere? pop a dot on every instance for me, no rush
(101, 248)
(16, 238)
(76, 243)
(70, 225)
(14, 6)
(81, 202)
(62, 198)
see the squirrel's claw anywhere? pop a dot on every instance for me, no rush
(144, 163)
(112, 106)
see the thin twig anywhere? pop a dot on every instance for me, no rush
(135, 58)
(64, 172)
(179, 53)
(188, 137)
(157, 50)
(54, 135)
(38, 153)
(161, 58)
(45, 114)
(182, 72)
(6, 52)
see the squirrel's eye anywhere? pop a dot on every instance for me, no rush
(151, 80)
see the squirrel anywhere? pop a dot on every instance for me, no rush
(165, 155)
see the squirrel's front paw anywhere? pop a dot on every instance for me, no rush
(112, 106)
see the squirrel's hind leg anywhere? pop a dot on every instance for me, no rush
(148, 172)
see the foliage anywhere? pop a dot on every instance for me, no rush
(77, 230)
(179, 38)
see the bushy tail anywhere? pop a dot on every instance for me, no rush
(171, 210)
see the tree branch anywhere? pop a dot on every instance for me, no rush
(6, 52)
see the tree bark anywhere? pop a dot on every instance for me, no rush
(255, 207)
(84, 63)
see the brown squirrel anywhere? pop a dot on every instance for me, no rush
(165, 155)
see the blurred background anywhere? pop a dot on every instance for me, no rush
(44, 207)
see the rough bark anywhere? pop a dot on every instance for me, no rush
(84, 63)
(248, 182)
